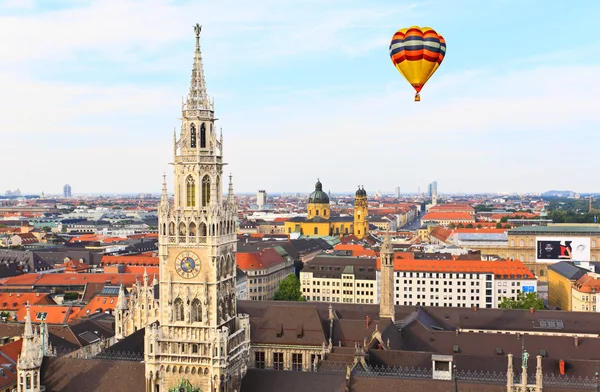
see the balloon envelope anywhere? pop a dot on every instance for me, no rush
(417, 53)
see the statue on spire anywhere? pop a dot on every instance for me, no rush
(197, 30)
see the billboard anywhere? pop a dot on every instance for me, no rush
(552, 249)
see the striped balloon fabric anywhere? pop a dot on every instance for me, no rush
(417, 52)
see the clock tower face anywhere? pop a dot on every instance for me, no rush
(187, 265)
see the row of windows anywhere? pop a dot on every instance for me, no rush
(442, 275)
(444, 304)
(532, 243)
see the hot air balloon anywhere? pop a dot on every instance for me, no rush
(417, 53)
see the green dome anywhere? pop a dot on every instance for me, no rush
(318, 196)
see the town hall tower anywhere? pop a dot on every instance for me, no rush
(198, 340)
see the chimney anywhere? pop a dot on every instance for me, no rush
(531, 310)
(561, 367)
(576, 341)
(368, 320)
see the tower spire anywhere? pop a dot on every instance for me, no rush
(197, 99)
(230, 199)
(164, 197)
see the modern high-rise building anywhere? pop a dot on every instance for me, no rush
(261, 199)
(432, 188)
(67, 191)
(397, 192)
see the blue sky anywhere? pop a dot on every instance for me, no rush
(303, 89)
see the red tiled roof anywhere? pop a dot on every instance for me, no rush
(263, 259)
(357, 249)
(452, 208)
(98, 304)
(448, 216)
(70, 279)
(129, 260)
(15, 301)
(55, 314)
(498, 267)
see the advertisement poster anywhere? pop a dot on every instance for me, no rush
(563, 249)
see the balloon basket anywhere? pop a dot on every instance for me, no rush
(417, 97)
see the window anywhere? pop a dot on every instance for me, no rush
(196, 310)
(202, 136)
(278, 361)
(522, 243)
(193, 136)
(317, 212)
(178, 309)
(259, 359)
(297, 362)
(316, 230)
(205, 190)
(190, 185)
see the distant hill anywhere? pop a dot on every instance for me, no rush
(558, 194)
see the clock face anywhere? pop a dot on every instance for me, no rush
(187, 264)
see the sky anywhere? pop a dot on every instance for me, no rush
(91, 92)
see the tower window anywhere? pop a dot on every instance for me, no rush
(191, 191)
(316, 230)
(206, 190)
(317, 212)
(202, 136)
(178, 309)
(193, 136)
(196, 310)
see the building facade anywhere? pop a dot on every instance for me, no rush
(198, 336)
(340, 279)
(459, 283)
(528, 244)
(265, 269)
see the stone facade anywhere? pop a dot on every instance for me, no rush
(141, 309)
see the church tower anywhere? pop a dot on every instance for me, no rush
(30, 360)
(198, 338)
(361, 224)
(386, 301)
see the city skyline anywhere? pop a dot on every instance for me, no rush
(501, 104)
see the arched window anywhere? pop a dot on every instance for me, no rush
(182, 229)
(171, 228)
(522, 243)
(316, 230)
(202, 136)
(178, 309)
(205, 190)
(196, 310)
(218, 188)
(192, 229)
(317, 212)
(191, 191)
(193, 136)
(202, 229)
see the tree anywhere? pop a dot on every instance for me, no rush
(523, 301)
(470, 226)
(47, 229)
(451, 226)
(289, 290)
(506, 226)
(460, 226)
(504, 219)
(498, 225)
(479, 226)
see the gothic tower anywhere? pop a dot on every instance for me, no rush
(198, 338)
(30, 360)
(361, 224)
(386, 301)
